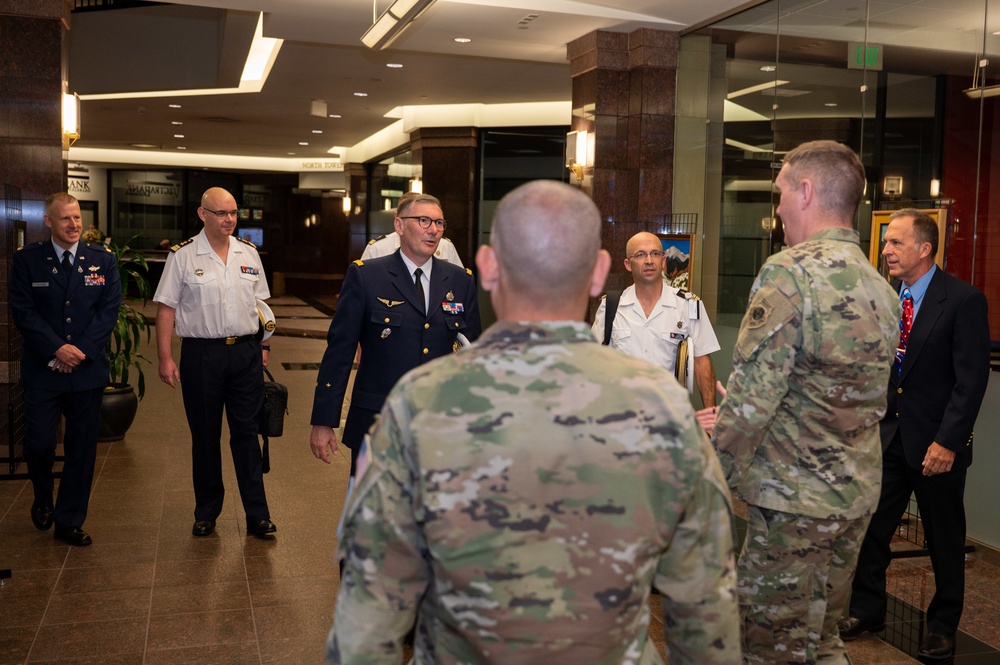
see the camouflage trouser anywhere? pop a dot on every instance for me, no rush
(794, 581)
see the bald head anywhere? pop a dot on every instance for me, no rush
(546, 241)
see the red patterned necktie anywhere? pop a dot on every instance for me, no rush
(905, 324)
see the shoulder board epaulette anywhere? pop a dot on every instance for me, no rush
(687, 295)
(34, 245)
(375, 240)
(181, 244)
(443, 239)
(359, 263)
(469, 271)
(246, 242)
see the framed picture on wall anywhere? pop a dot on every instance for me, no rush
(678, 265)
(880, 222)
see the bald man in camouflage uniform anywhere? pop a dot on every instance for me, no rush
(519, 500)
(797, 433)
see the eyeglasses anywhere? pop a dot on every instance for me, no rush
(656, 255)
(425, 222)
(235, 214)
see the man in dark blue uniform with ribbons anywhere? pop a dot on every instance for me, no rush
(64, 297)
(403, 309)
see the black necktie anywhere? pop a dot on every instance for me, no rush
(419, 283)
(66, 264)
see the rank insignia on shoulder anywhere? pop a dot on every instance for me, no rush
(179, 245)
(359, 263)
(246, 242)
(469, 271)
(375, 240)
(452, 307)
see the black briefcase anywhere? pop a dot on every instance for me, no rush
(272, 414)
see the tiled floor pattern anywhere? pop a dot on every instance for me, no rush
(148, 592)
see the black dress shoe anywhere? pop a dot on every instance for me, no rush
(852, 628)
(261, 528)
(72, 535)
(41, 516)
(203, 528)
(937, 646)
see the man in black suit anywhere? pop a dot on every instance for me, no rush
(399, 322)
(64, 297)
(935, 390)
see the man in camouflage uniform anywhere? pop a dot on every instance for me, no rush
(797, 433)
(518, 500)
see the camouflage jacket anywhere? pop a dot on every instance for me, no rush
(521, 499)
(798, 429)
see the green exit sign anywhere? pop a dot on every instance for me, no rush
(864, 56)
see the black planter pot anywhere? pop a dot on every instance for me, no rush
(118, 410)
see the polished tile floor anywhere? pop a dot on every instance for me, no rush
(147, 591)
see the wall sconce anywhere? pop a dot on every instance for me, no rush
(70, 119)
(577, 152)
(768, 224)
(387, 204)
(416, 186)
(935, 188)
(347, 205)
(893, 185)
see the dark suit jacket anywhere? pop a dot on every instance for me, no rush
(938, 393)
(51, 309)
(376, 309)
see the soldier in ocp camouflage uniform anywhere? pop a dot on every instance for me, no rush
(797, 433)
(519, 500)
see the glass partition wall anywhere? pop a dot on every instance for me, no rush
(909, 86)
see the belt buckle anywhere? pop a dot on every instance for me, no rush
(230, 341)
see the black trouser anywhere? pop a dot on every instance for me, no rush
(216, 376)
(942, 511)
(82, 411)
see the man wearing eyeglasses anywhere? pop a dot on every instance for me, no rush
(209, 290)
(403, 309)
(653, 320)
(387, 244)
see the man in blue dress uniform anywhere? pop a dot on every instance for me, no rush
(64, 297)
(403, 309)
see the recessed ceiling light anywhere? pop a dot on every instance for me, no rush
(303, 143)
(142, 145)
(334, 115)
(317, 131)
(830, 104)
(178, 136)
(462, 40)
(291, 153)
(768, 68)
(180, 147)
(176, 122)
(361, 94)
(174, 106)
(394, 65)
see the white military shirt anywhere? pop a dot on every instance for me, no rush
(213, 300)
(388, 244)
(673, 319)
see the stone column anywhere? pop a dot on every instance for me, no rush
(449, 160)
(623, 95)
(32, 71)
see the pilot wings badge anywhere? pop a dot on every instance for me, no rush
(390, 303)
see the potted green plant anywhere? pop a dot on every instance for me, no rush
(125, 357)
